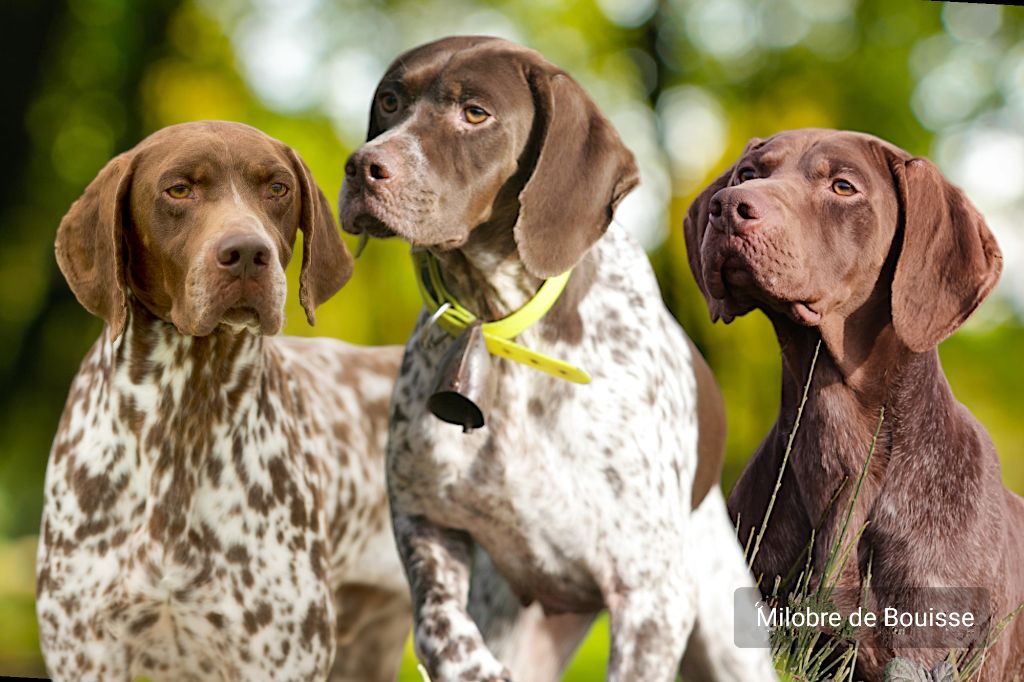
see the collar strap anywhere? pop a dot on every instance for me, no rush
(498, 335)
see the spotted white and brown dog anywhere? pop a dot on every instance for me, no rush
(215, 503)
(575, 498)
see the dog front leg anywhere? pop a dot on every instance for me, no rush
(649, 629)
(437, 563)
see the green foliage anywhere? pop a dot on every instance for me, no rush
(107, 72)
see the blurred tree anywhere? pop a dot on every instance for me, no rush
(80, 108)
(687, 83)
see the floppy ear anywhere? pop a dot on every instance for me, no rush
(326, 261)
(581, 174)
(948, 262)
(695, 224)
(89, 245)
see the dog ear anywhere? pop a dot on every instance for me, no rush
(948, 261)
(326, 261)
(581, 174)
(90, 244)
(695, 224)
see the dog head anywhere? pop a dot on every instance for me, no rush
(810, 225)
(473, 131)
(198, 222)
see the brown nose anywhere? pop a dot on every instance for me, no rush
(735, 209)
(243, 255)
(373, 165)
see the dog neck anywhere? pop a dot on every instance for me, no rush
(843, 412)
(187, 402)
(486, 273)
(216, 376)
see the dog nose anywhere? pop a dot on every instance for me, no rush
(243, 255)
(735, 209)
(372, 166)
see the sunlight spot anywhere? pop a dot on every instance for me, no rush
(695, 131)
(628, 13)
(724, 29)
(971, 22)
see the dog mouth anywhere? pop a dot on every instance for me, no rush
(736, 273)
(241, 316)
(737, 284)
(804, 313)
(368, 224)
(364, 213)
(254, 308)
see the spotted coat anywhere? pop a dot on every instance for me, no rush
(215, 505)
(214, 511)
(573, 497)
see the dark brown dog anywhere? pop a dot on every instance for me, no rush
(844, 238)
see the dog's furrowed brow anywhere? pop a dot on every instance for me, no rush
(188, 172)
(191, 168)
(833, 162)
(464, 89)
(260, 171)
(766, 160)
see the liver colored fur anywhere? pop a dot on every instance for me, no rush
(845, 239)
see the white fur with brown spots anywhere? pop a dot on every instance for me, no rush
(575, 498)
(215, 505)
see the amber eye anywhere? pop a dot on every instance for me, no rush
(278, 189)
(843, 188)
(475, 115)
(179, 191)
(746, 174)
(389, 102)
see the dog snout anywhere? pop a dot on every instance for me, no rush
(735, 209)
(372, 166)
(243, 255)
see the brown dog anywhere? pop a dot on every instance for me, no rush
(215, 505)
(844, 238)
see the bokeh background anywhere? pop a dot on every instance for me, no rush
(686, 82)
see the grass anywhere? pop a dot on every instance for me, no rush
(807, 654)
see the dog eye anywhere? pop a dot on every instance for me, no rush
(746, 174)
(389, 102)
(278, 189)
(475, 115)
(179, 191)
(843, 188)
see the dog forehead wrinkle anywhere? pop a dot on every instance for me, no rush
(456, 74)
(769, 160)
(818, 166)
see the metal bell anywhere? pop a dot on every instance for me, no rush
(464, 384)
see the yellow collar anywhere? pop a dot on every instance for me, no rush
(498, 334)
